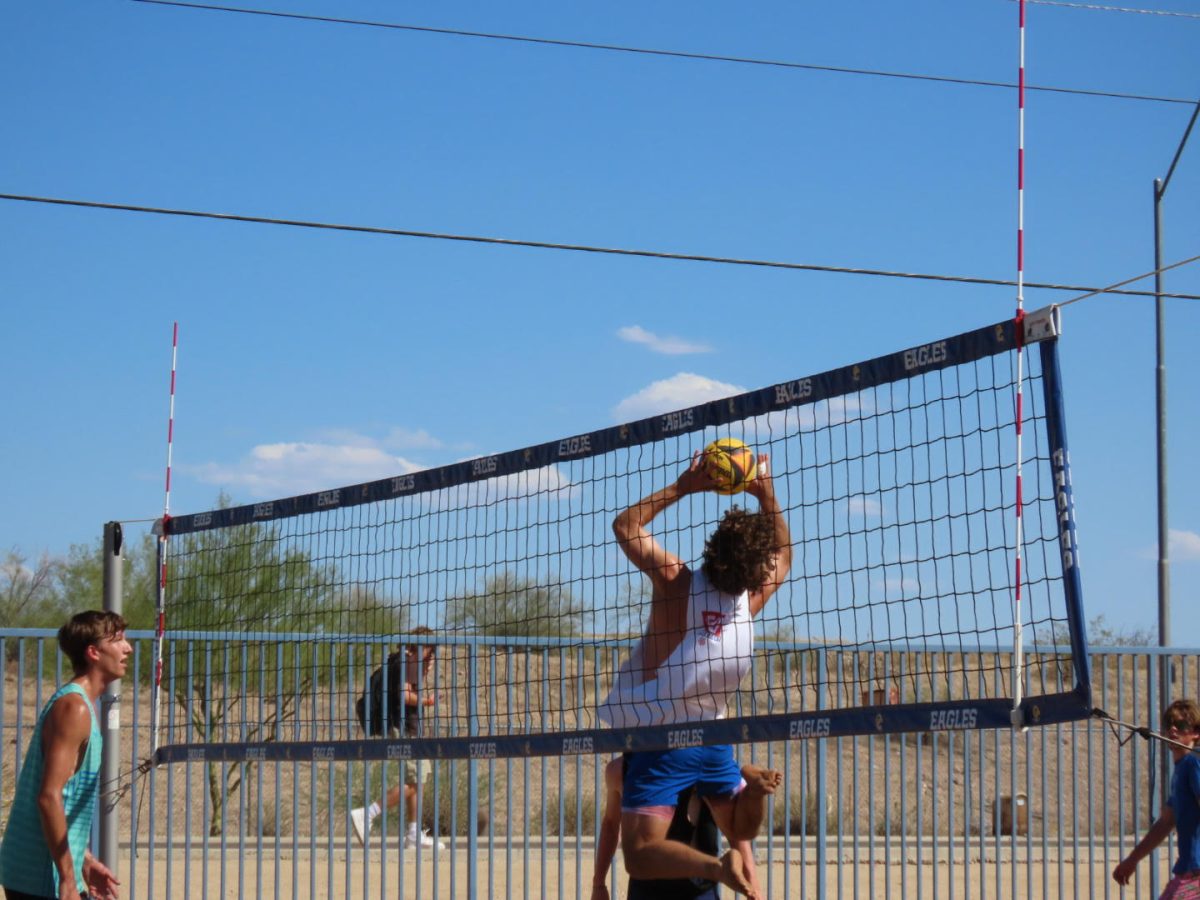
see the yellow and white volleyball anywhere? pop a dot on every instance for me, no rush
(730, 465)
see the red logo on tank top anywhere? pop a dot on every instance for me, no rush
(713, 622)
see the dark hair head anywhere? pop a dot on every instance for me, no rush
(84, 630)
(738, 555)
(1184, 713)
(419, 631)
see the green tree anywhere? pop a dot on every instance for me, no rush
(626, 616)
(80, 581)
(237, 598)
(244, 585)
(1100, 634)
(512, 606)
(27, 591)
(45, 594)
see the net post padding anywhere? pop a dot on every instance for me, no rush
(1064, 506)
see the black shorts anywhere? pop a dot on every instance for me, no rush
(11, 894)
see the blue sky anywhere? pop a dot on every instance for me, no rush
(311, 359)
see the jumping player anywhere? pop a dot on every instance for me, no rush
(696, 648)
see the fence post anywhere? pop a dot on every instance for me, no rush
(822, 781)
(110, 709)
(473, 773)
(1153, 754)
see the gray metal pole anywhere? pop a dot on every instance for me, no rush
(110, 717)
(1164, 535)
(1164, 568)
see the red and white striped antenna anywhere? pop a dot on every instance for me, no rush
(1019, 331)
(171, 420)
(161, 593)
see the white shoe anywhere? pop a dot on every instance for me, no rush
(422, 840)
(358, 820)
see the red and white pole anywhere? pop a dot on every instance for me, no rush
(1019, 330)
(161, 593)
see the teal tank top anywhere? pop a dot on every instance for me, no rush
(25, 863)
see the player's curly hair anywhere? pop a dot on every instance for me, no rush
(737, 556)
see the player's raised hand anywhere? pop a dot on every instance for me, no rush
(694, 479)
(761, 485)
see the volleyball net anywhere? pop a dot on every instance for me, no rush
(896, 476)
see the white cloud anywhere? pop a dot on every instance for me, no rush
(300, 467)
(897, 588)
(671, 346)
(407, 439)
(1184, 545)
(677, 392)
(342, 457)
(864, 506)
(397, 438)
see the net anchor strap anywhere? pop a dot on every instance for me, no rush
(1145, 732)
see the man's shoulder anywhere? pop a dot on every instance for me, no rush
(672, 578)
(675, 589)
(70, 704)
(69, 717)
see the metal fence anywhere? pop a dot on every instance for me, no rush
(988, 814)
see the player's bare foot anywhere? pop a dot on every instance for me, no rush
(732, 874)
(761, 781)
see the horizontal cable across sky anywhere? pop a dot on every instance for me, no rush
(647, 51)
(1121, 9)
(585, 248)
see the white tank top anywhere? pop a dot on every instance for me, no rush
(694, 682)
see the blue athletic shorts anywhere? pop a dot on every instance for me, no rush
(656, 777)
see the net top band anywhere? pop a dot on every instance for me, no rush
(931, 357)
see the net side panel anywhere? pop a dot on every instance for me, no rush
(896, 478)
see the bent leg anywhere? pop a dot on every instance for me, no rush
(649, 855)
(740, 815)
(750, 805)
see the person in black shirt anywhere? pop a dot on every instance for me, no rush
(417, 679)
